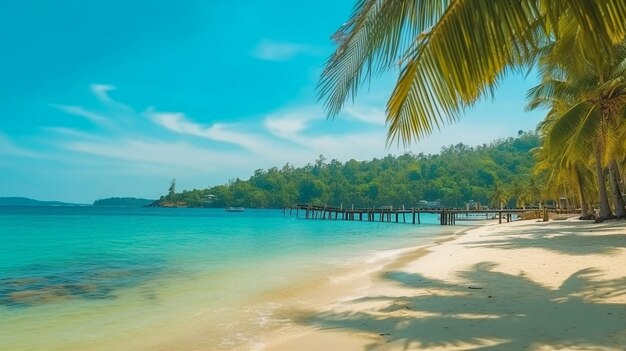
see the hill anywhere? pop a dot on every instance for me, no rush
(122, 202)
(24, 201)
(488, 174)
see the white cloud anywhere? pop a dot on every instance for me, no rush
(366, 114)
(270, 50)
(178, 123)
(172, 155)
(290, 124)
(9, 148)
(92, 117)
(70, 132)
(101, 91)
(294, 125)
(296, 135)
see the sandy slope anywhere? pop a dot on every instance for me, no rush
(526, 285)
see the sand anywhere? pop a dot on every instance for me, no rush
(558, 285)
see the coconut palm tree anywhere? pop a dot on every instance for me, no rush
(534, 191)
(561, 167)
(517, 191)
(580, 182)
(450, 53)
(587, 104)
(498, 196)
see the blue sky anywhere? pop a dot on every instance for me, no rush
(115, 98)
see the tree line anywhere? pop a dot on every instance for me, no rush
(500, 173)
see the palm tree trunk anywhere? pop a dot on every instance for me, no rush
(567, 204)
(605, 209)
(584, 211)
(616, 190)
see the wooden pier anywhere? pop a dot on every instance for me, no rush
(389, 214)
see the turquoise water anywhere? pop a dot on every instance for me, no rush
(146, 278)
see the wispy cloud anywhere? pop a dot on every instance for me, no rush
(9, 148)
(101, 91)
(174, 155)
(157, 144)
(91, 116)
(109, 111)
(295, 126)
(270, 50)
(69, 132)
(370, 115)
(293, 135)
(291, 123)
(177, 122)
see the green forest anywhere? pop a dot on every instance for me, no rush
(500, 173)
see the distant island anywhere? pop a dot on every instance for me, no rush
(500, 173)
(24, 201)
(108, 202)
(122, 202)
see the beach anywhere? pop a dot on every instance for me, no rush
(184, 279)
(179, 279)
(525, 285)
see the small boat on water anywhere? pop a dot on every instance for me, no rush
(234, 209)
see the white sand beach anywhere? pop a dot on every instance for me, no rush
(526, 285)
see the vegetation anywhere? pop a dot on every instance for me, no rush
(458, 174)
(452, 53)
(584, 130)
(122, 202)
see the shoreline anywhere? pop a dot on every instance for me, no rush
(520, 285)
(187, 282)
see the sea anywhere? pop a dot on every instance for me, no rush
(93, 278)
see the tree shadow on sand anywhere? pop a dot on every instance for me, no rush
(491, 311)
(567, 238)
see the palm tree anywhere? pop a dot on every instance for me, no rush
(587, 103)
(533, 192)
(517, 191)
(450, 53)
(582, 179)
(498, 196)
(561, 168)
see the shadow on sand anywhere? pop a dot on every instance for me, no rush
(492, 310)
(564, 239)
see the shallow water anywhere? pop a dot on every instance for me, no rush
(76, 278)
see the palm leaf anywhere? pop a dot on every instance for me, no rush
(458, 61)
(452, 53)
(373, 40)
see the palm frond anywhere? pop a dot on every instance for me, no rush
(461, 59)
(373, 40)
(575, 131)
(452, 53)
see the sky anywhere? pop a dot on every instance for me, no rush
(109, 98)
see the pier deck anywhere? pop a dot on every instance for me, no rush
(399, 215)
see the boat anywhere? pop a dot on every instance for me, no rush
(234, 209)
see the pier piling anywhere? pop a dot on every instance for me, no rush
(386, 214)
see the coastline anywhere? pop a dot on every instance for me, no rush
(167, 279)
(521, 285)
